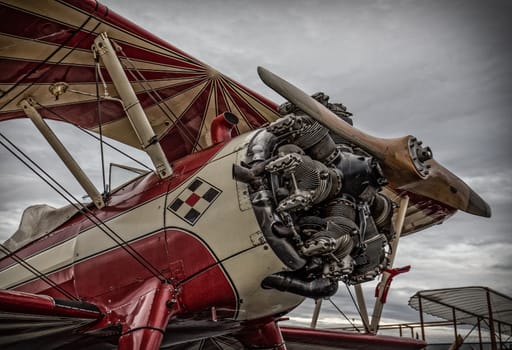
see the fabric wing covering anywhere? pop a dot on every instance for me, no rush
(48, 42)
(45, 53)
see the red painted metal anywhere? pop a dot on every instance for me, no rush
(192, 199)
(188, 257)
(392, 274)
(19, 302)
(149, 335)
(262, 334)
(130, 196)
(113, 278)
(360, 341)
(222, 127)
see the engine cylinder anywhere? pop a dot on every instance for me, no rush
(322, 212)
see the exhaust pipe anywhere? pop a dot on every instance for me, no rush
(222, 126)
(287, 282)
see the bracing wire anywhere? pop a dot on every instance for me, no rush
(174, 119)
(344, 315)
(36, 272)
(86, 211)
(87, 132)
(100, 127)
(354, 302)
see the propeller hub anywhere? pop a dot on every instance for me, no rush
(419, 156)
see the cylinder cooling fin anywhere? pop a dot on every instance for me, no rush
(319, 206)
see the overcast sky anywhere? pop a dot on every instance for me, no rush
(440, 70)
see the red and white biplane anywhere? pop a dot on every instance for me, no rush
(251, 208)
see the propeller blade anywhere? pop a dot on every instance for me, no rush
(446, 187)
(405, 163)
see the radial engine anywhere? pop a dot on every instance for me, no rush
(318, 203)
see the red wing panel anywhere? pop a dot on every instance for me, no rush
(309, 338)
(27, 303)
(45, 42)
(29, 321)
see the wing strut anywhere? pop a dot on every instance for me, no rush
(62, 152)
(316, 312)
(387, 275)
(138, 119)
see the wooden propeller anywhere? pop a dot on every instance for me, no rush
(405, 163)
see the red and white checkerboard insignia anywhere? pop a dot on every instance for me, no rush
(194, 200)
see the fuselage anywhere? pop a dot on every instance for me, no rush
(197, 229)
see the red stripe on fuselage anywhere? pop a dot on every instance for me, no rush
(134, 194)
(109, 279)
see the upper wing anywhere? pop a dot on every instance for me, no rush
(48, 42)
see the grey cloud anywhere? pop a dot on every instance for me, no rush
(505, 266)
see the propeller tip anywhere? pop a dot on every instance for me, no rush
(477, 206)
(262, 72)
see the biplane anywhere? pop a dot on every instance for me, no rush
(250, 208)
